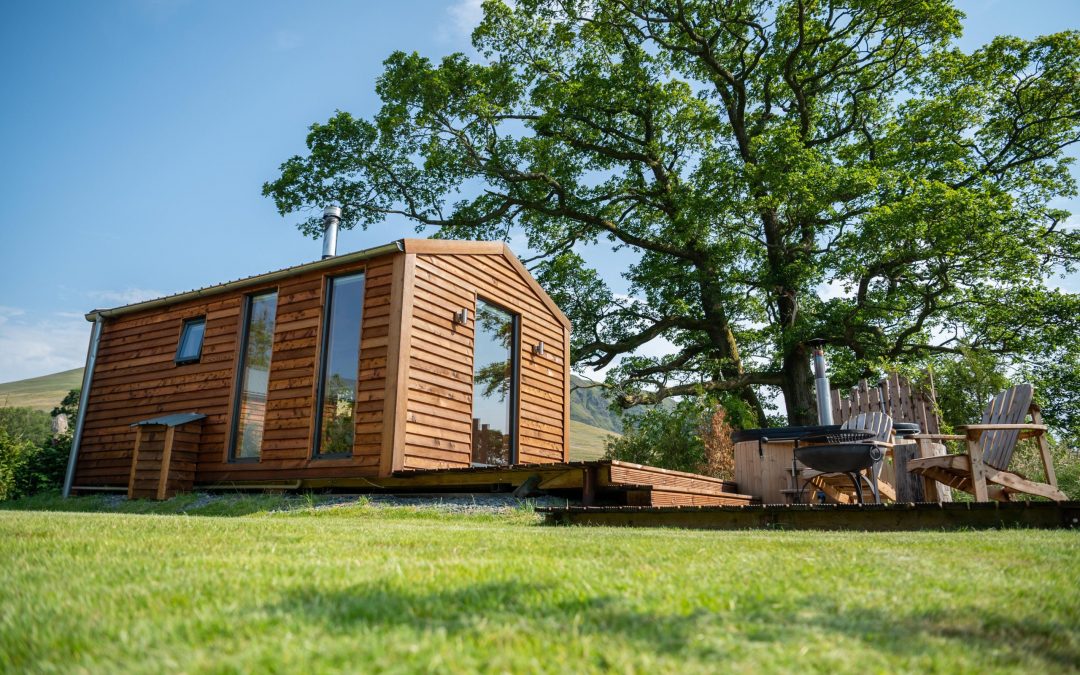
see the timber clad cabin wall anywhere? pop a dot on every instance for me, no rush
(414, 395)
(438, 420)
(135, 378)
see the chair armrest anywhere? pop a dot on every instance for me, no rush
(974, 431)
(938, 437)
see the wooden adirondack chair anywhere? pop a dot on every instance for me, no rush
(837, 485)
(983, 470)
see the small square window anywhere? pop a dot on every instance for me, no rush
(191, 336)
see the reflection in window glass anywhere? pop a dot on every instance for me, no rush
(494, 385)
(340, 363)
(255, 375)
(189, 348)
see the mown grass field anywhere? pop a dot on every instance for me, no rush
(364, 588)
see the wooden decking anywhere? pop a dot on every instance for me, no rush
(599, 482)
(868, 517)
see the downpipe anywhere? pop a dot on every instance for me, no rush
(84, 395)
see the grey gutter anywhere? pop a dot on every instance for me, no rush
(393, 247)
(80, 420)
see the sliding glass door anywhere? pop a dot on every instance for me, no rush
(339, 366)
(495, 385)
(249, 416)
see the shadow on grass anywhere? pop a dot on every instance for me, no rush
(238, 504)
(539, 608)
(192, 504)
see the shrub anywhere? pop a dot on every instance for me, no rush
(26, 423)
(16, 455)
(50, 464)
(692, 436)
(31, 458)
(715, 435)
(1028, 463)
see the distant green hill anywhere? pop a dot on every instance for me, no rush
(588, 405)
(590, 420)
(40, 393)
(587, 442)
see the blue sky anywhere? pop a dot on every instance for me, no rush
(135, 136)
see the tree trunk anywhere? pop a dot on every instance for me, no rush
(798, 387)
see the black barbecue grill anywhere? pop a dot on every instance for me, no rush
(837, 450)
(847, 451)
(830, 449)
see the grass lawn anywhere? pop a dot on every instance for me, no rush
(374, 588)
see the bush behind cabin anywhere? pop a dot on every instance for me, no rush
(32, 458)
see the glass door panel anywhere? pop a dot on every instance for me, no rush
(250, 414)
(494, 385)
(336, 425)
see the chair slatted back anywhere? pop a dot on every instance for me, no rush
(879, 423)
(1009, 407)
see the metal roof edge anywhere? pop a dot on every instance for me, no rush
(396, 246)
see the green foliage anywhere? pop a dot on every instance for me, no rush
(1027, 462)
(666, 438)
(31, 458)
(50, 463)
(966, 384)
(672, 437)
(1057, 390)
(69, 406)
(27, 424)
(16, 454)
(740, 155)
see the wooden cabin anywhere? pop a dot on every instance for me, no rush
(420, 354)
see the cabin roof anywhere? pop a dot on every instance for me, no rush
(418, 246)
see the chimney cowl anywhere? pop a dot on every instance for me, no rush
(331, 218)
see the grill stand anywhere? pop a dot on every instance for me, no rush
(855, 475)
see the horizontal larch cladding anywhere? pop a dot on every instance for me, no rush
(136, 378)
(438, 422)
(409, 302)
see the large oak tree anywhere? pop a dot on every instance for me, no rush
(747, 154)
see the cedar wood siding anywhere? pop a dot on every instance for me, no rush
(135, 378)
(438, 410)
(415, 382)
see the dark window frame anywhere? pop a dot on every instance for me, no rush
(191, 321)
(515, 375)
(245, 329)
(320, 379)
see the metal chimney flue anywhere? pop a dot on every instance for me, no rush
(821, 383)
(331, 217)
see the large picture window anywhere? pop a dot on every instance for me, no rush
(495, 385)
(254, 376)
(335, 425)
